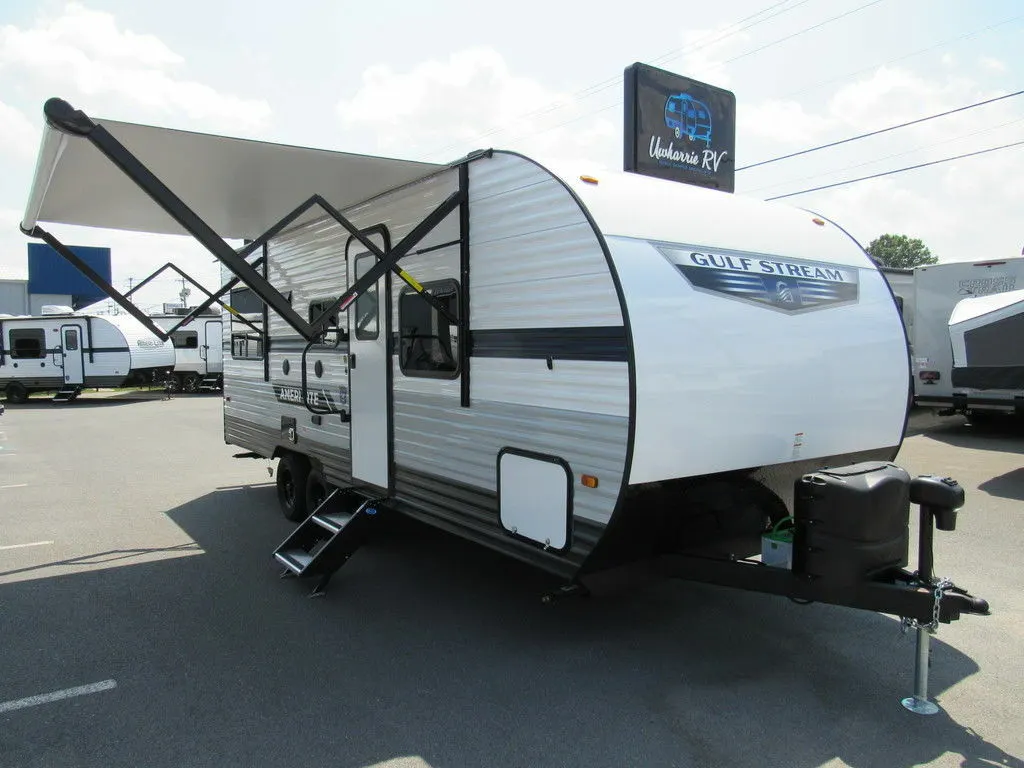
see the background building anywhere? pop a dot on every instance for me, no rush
(52, 280)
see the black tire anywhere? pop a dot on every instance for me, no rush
(173, 383)
(292, 471)
(16, 392)
(316, 490)
(190, 383)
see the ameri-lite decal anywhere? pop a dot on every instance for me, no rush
(790, 285)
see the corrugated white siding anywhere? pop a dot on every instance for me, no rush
(535, 260)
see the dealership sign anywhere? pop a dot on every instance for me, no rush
(679, 129)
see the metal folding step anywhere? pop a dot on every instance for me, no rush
(325, 540)
(209, 383)
(67, 393)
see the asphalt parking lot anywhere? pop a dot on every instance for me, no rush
(136, 582)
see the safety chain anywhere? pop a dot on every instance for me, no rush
(941, 585)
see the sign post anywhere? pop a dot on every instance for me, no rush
(679, 129)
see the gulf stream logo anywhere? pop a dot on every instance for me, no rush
(790, 285)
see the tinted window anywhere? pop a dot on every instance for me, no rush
(71, 340)
(244, 301)
(366, 305)
(317, 308)
(28, 343)
(185, 339)
(429, 341)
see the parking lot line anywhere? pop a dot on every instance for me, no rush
(67, 693)
(30, 544)
(16, 485)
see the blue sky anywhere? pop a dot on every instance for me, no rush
(435, 80)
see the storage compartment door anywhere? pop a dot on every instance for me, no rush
(535, 497)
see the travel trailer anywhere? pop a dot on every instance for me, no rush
(988, 357)
(198, 350)
(596, 373)
(937, 290)
(65, 352)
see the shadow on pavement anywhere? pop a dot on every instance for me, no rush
(429, 646)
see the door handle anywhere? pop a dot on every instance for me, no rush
(351, 362)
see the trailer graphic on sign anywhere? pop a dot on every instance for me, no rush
(688, 117)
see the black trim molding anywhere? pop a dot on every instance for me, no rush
(609, 343)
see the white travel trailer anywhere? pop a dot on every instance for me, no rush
(64, 351)
(938, 289)
(594, 374)
(198, 351)
(988, 356)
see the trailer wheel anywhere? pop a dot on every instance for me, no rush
(173, 383)
(16, 392)
(316, 490)
(190, 383)
(292, 471)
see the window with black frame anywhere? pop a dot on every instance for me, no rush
(185, 339)
(246, 339)
(27, 343)
(428, 340)
(332, 333)
(366, 314)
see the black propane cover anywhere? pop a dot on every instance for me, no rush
(851, 523)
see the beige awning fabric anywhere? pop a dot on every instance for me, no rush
(238, 187)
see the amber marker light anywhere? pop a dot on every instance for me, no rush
(819, 222)
(588, 179)
(589, 481)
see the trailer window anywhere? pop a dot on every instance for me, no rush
(28, 343)
(247, 345)
(317, 308)
(428, 341)
(185, 339)
(366, 314)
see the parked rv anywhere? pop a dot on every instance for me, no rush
(591, 373)
(198, 351)
(64, 351)
(929, 302)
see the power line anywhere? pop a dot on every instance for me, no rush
(898, 170)
(603, 85)
(940, 44)
(591, 113)
(877, 160)
(880, 130)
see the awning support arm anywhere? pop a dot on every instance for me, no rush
(211, 299)
(98, 279)
(64, 117)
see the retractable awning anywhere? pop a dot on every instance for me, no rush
(239, 187)
(125, 176)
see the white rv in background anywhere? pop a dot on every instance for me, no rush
(937, 290)
(66, 352)
(198, 351)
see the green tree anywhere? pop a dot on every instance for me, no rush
(900, 252)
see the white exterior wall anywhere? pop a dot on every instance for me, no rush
(36, 301)
(14, 297)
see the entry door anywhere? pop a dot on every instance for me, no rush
(370, 377)
(74, 365)
(214, 352)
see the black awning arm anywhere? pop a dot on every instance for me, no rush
(99, 280)
(65, 118)
(211, 299)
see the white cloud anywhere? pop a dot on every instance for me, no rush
(444, 108)
(991, 64)
(87, 52)
(21, 137)
(785, 122)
